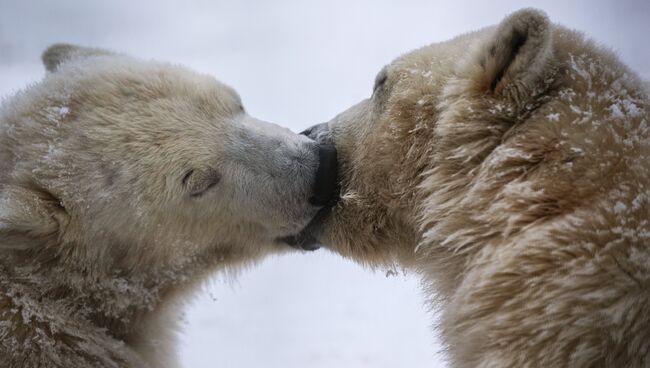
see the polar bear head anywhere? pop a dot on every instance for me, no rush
(438, 158)
(117, 159)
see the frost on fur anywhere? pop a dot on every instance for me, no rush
(509, 166)
(122, 187)
(56, 55)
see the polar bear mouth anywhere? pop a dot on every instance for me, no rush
(307, 239)
(326, 179)
(326, 193)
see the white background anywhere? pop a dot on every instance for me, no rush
(296, 63)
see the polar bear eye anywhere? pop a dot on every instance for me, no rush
(380, 80)
(239, 105)
(198, 182)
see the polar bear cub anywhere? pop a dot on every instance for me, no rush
(123, 183)
(509, 167)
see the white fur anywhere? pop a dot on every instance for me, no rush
(123, 184)
(508, 166)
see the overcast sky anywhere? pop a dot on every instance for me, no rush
(296, 63)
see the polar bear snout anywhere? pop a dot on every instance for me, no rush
(326, 189)
(326, 185)
(319, 133)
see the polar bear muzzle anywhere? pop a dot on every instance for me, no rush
(326, 189)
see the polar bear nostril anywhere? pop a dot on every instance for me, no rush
(319, 133)
(309, 132)
(326, 179)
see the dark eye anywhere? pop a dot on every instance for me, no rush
(241, 108)
(198, 182)
(187, 176)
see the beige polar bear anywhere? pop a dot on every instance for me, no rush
(123, 184)
(510, 167)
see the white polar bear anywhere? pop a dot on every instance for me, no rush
(123, 183)
(508, 166)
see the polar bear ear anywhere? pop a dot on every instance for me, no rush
(29, 219)
(60, 53)
(515, 56)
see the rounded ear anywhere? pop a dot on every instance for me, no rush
(514, 58)
(60, 53)
(29, 218)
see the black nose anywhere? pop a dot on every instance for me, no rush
(326, 181)
(319, 132)
(308, 132)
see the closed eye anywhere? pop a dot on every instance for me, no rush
(198, 182)
(202, 192)
(187, 176)
(380, 80)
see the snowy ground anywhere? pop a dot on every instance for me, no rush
(296, 63)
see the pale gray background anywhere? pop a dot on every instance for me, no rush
(296, 63)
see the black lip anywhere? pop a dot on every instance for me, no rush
(302, 241)
(326, 179)
(326, 176)
(307, 239)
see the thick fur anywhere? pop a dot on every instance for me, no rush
(123, 184)
(509, 167)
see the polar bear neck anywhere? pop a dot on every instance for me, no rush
(50, 299)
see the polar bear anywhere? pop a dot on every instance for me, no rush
(509, 167)
(123, 184)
